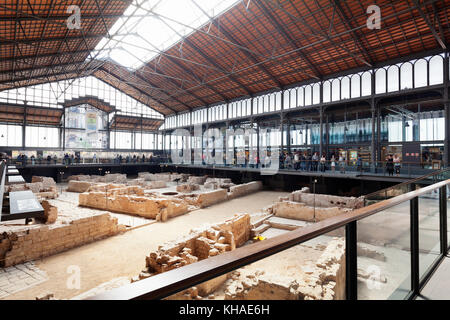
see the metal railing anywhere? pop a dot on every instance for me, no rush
(411, 268)
(404, 187)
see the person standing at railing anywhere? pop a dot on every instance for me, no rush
(94, 158)
(288, 162)
(359, 164)
(323, 162)
(315, 161)
(342, 163)
(33, 160)
(397, 164)
(296, 161)
(309, 163)
(390, 165)
(333, 163)
(55, 159)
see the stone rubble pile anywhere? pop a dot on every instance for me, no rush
(320, 280)
(200, 244)
(43, 187)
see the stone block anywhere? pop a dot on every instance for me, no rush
(209, 198)
(188, 187)
(197, 180)
(78, 186)
(244, 189)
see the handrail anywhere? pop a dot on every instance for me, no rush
(176, 280)
(407, 182)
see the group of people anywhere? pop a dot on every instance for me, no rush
(71, 159)
(307, 162)
(393, 164)
(132, 159)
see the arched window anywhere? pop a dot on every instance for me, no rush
(308, 95)
(366, 80)
(316, 93)
(380, 81)
(356, 86)
(266, 103)
(406, 76)
(420, 73)
(336, 90)
(436, 70)
(287, 99)
(327, 91)
(272, 102)
(293, 96)
(261, 104)
(345, 88)
(300, 97)
(393, 75)
(255, 105)
(278, 100)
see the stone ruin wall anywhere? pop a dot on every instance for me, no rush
(133, 199)
(325, 279)
(305, 206)
(21, 244)
(42, 187)
(81, 183)
(200, 244)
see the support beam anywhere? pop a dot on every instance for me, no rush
(436, 35)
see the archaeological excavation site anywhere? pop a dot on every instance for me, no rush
(222, 158)
(117, 230)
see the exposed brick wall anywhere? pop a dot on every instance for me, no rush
(42, 240)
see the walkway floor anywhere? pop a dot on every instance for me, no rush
(438, 287)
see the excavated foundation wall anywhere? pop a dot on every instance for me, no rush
(40, 241)
(198, 245)
(305, 206)
(133, 200)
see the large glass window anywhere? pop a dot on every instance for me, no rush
(10, 135)
(55, 93)
(41, 137)
(121, 140)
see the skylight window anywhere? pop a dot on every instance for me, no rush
(151, 26)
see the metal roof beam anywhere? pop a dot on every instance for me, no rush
(438, 38)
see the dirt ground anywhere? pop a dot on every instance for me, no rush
(124, 255)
